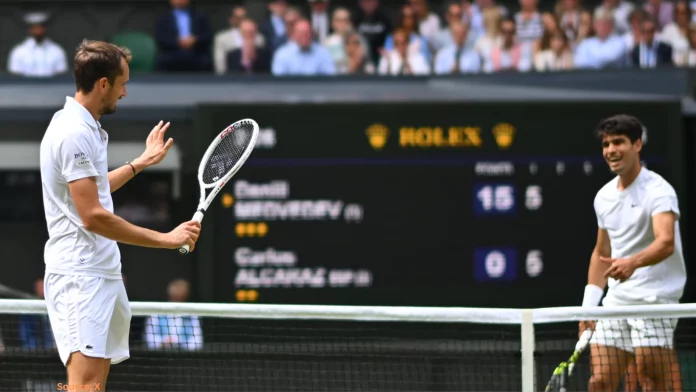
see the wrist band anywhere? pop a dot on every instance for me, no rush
(132, 167)
(593, 295)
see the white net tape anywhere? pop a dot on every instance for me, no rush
(254, 347)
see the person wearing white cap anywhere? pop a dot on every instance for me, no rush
(37, 55)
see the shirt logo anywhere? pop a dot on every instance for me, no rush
(88, 347)
(82, 159)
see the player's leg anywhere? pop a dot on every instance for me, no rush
(117, 347)
(631, 380)
(85, 373)
(610, 355)
(656, 361)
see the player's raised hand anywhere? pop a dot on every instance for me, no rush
(155, 146)
(185, 234)
(620, 269)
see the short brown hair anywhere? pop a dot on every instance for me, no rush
(97, 59)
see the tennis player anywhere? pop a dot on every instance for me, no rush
(639, 254)
(85, 295)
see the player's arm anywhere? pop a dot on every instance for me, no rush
(663, 245)
(98, 220)
(155, 150)
(596, 282)
(119, 177)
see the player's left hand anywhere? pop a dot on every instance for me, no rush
(620, 269)
(155, 147)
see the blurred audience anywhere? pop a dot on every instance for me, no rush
(556, 55)
(512, 55)
(37, 55)
(457, 57)
(323, 39)
(650, 53)
(251, 56)
(373, 24)
(605, 49)
(302, 56)
(402, 60)
(174, 332)
(183, 37)
(228, 40)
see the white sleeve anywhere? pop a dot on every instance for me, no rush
(75, 158)
(665, 200)
(598, 213)
(14, 63)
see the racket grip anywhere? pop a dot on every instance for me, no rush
(198, 217)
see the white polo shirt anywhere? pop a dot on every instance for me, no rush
(74, 147)
(31, 58)
(627, 217)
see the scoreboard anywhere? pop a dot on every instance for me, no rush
(419, 205)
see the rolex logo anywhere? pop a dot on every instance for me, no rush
(377, 135)
(504, 134)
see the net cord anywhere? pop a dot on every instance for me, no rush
(526, 318)
(382, 313)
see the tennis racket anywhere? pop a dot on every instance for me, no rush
(224, 157)
(565, 369)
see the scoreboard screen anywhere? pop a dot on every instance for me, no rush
(418, 205)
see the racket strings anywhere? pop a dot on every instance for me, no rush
(228, 152)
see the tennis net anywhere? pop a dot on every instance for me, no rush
(254, 347)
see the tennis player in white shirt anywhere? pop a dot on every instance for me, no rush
(85, 295)
(639, 254)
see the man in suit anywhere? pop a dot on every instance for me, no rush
(650, 53)
(273, 28)
(184, 39)
(250, 57)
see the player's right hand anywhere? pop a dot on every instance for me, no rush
(185, 234)
(585, 325)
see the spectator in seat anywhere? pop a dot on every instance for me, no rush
(528, 22)
(302, 56)
(183, 37)
(635, 34)
(444, 37)
(473, 15)
(357, 58)
(231, 39)
(688, 58)
(273, 28)
(675, 34)
(660, 11)
(34, 329)
(551, 26)
(620, 10)
(492, 38)
(319, 17)
(651, 53)
(427, 21)
(557, 57)
(569, 13)
(402, 60)
(457, 57)
(511, 54)
(290, 17)
(585, 30)
(408, 24)
(250, 57)
(341, 26)
(174, 332)
(37, 55)
(373, 24)
(605, 50)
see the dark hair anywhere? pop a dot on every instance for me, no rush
(621, 124)
(95, 60)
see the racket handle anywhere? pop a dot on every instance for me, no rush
(198, 217)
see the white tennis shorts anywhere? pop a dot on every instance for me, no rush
(631, 333)
(88, 314)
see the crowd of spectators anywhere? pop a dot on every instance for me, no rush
(467, 37)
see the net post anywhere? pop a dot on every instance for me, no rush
(527, 348)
